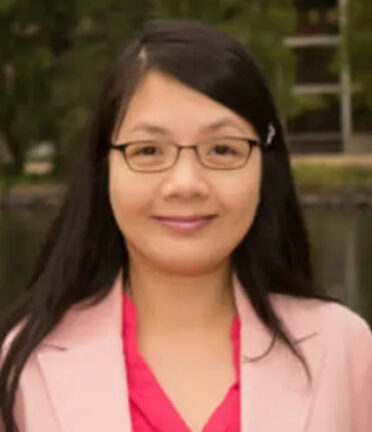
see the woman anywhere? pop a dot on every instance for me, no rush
(174, 292)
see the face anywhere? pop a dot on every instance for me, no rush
(163, 109)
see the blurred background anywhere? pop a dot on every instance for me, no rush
(316, 55)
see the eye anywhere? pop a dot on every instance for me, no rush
(224, 152)
(144, 149)
(224, 149)
(148, 150)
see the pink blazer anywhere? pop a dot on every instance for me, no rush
(75, 380)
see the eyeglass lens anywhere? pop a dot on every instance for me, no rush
(222, 153)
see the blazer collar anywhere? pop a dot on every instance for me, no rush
(84, 323)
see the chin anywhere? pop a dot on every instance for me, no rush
(186, 266)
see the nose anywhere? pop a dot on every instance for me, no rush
(187, 178)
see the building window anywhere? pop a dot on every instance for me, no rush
(317, 16)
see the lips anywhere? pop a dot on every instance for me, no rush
(185, 218)
(185, 223)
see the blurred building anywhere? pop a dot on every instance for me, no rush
(331, 121)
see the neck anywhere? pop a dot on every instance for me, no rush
(172, 302)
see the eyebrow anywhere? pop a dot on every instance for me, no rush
(152, 128)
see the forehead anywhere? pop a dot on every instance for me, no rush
(164, 103)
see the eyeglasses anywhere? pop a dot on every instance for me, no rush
(223, 153)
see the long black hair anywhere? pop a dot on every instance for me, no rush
(84, 248)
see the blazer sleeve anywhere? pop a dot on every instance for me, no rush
(360, 367)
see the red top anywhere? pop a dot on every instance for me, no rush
(151, 410)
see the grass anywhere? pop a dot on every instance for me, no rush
(319, 177)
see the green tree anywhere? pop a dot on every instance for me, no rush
(52, 55)
(31, 36)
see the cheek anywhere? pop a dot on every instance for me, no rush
(240, 201)
(243, 204)
(127, 197)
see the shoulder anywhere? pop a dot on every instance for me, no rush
(344, 340)
(336, 322)
(341, 319)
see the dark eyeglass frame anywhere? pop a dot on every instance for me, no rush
(249, 141)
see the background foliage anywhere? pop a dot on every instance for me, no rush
(53, 54)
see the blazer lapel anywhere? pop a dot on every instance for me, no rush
(87, 386)
(275, 391)
(84, 369)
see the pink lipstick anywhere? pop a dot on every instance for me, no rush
(185, 224)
